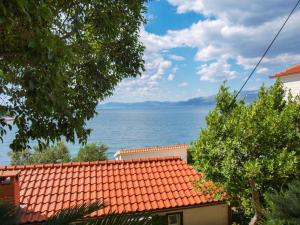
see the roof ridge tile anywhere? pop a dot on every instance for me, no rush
(155, 148)
(104, 162)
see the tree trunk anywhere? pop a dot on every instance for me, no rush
(256, 203)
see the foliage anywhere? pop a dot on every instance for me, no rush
(284, 206)
(58, 58)
(250, 149)
(8, 214)
(124, 219)
(77, 215)
(72, 214)
(91, 152)
(190, 159)
(58, 153)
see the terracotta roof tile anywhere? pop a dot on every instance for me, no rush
(125, 185)
(289, 71)
(151, 149)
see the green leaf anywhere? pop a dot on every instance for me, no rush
(250, 148)
(9, 214)
(21, 4)
(60, 60)
(72, 214)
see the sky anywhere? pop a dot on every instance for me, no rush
(193, 46)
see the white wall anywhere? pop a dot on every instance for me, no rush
(180, 152)
(292, 83)
(205, 215)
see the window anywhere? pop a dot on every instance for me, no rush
(174, 219)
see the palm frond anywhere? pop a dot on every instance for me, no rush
(9, 213)
(123, 219)
(73, 214)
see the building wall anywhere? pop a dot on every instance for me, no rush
(182, 153)
(292, 83)
(205, 215)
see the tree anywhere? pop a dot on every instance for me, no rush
(91, 152)
(59, 58)
(10, 215)
(251, 149)
(58, 153)
(190, 159)
(284, 206)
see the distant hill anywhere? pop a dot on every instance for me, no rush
(200, 101)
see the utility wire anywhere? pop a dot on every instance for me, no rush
(270, 45)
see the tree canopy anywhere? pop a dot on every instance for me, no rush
(250, 149)
(91, 152)
(58, 153)
(59, 58)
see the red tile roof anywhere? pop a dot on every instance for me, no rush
(125, 186)
(151, 149)
(289, 71)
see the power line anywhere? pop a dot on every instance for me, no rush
(270, 45)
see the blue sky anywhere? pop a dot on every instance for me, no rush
(193, 46)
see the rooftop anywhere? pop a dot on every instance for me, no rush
(9, 173)
(124, 185)
(289, 71)
(151, 149)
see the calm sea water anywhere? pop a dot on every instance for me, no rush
(133, 128)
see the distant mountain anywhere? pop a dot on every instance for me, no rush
(200, 101)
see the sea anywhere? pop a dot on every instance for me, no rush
(134, 128)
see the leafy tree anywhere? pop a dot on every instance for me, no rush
(284, 206)
(58, 58)
(251, 149)
(58, 153)
(22, 157)
(91, 152)
(10, 215)
(190, 159)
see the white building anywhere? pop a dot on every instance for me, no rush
(290, 78)
(179, 150)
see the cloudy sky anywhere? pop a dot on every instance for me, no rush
(192, 46)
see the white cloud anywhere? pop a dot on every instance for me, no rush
(207, 53)
(216, 71)
(263, 70)
(231, 32)
(160, 66)
(183, 84)
(171, 77)
(176, 57)
(251, 12)
(146, 86)
(187, 5)
(231, 36)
